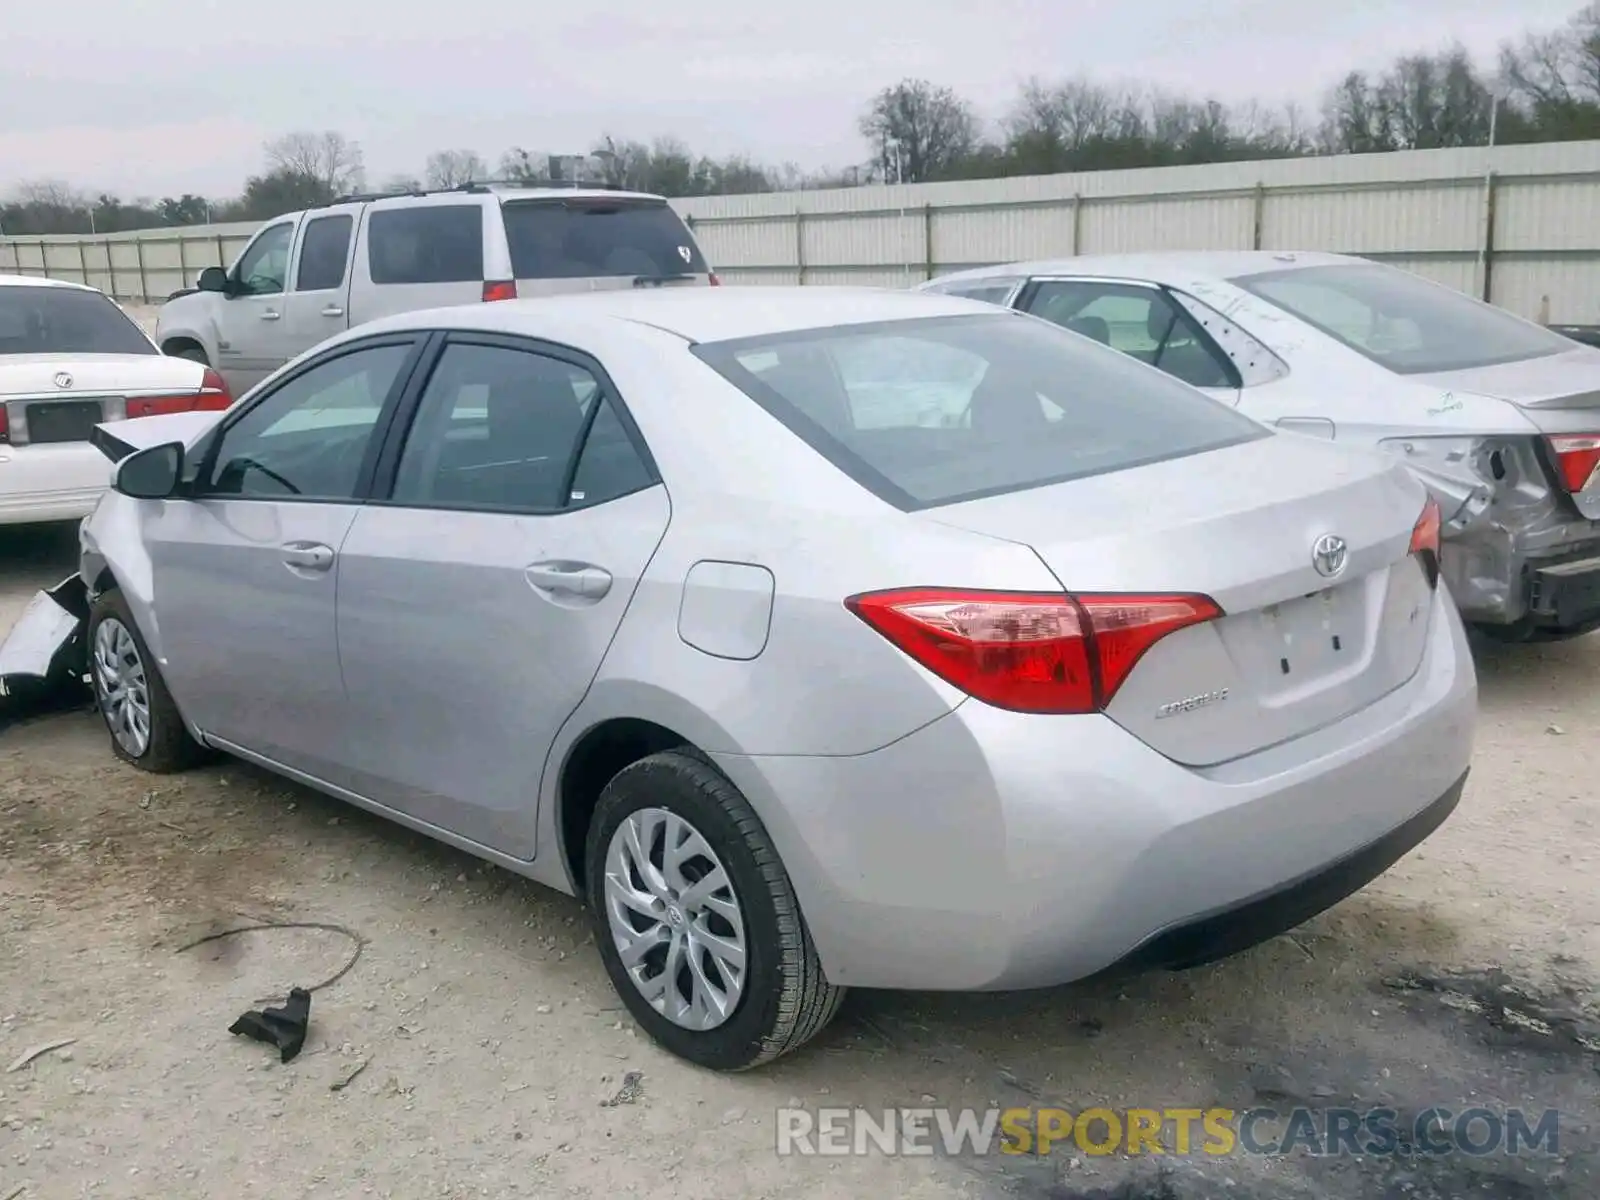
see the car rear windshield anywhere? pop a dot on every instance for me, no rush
(51, 320)
(587, 239)
(1402, 321)
(939, 410)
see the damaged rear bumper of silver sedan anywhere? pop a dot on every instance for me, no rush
(1518, 558)
(46, 650)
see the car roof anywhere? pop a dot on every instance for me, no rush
(8, 280)
(695, 314)
(1161, 266)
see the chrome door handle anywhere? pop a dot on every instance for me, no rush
(308, 556)
(333, 310)
(570, 579)
(270, 315)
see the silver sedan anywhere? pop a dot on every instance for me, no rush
(1499, 416)
(816, 638)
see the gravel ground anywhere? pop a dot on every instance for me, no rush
(487, 1036)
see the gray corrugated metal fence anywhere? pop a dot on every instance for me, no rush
(1515, 224)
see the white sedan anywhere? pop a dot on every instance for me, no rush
(71, 359)
(1498, 416)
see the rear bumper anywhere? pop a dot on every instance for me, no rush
(1218, 935)
(1565, 593)
(995, 850)
(51, 483)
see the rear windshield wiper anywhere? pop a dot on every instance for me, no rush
(658, 280)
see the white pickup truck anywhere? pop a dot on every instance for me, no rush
(309, 275)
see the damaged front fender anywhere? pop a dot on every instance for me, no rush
(47, 643)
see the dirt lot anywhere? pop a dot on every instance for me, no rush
(489, 1037)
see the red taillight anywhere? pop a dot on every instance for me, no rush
(1039, 652)
(1425, 533)
(1425, 540)
(715, 282)
(505, 289)
(1577, 458)
(212, 397)
(5, 426)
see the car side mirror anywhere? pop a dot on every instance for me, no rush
(213, 279)
(150, 474)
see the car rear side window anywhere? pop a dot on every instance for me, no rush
(599, 238)
(426, 243)
(62, 320)
(324, 247)
(498, 429)
(940, 410)
(1139, 321)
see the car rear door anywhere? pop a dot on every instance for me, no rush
(477, 599)
(596, 243)
(317, 303)
(1139, 319)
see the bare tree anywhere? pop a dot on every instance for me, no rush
(919, 131)
(452, 168)
(330, 158)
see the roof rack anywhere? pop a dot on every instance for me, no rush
(476, 187)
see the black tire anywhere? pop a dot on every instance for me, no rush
(170, 747)
(786, 999)
(193, 354)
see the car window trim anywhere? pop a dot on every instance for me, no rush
(416, 339)
(1230, 371)
(409, 404)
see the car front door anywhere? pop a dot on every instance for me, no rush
(316, 305)
(251, 342)
(243, 570)
(1141, 320)
(477, 600)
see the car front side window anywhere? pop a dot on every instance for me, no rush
(310, 437)
(265, 265)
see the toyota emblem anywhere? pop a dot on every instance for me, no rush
(63, 380)
(1329, 554)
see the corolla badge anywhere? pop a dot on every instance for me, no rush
(1329, 553)
(63, 380)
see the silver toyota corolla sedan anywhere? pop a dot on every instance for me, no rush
(815, 637)
(1501, 417)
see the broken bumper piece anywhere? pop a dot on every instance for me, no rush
(47, 642)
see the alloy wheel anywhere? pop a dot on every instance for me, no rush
(120, 686)
(672, 911)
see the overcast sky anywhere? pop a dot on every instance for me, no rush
(166, 96)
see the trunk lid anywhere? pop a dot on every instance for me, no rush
(95, 374)
(1557, 394)
(1295, 650)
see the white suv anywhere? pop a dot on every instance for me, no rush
(309, 275)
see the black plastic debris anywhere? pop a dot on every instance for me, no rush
(283, 1027)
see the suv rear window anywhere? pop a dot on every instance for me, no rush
(52, 320)
(940, 410)
(601, 237)
(426, 243)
